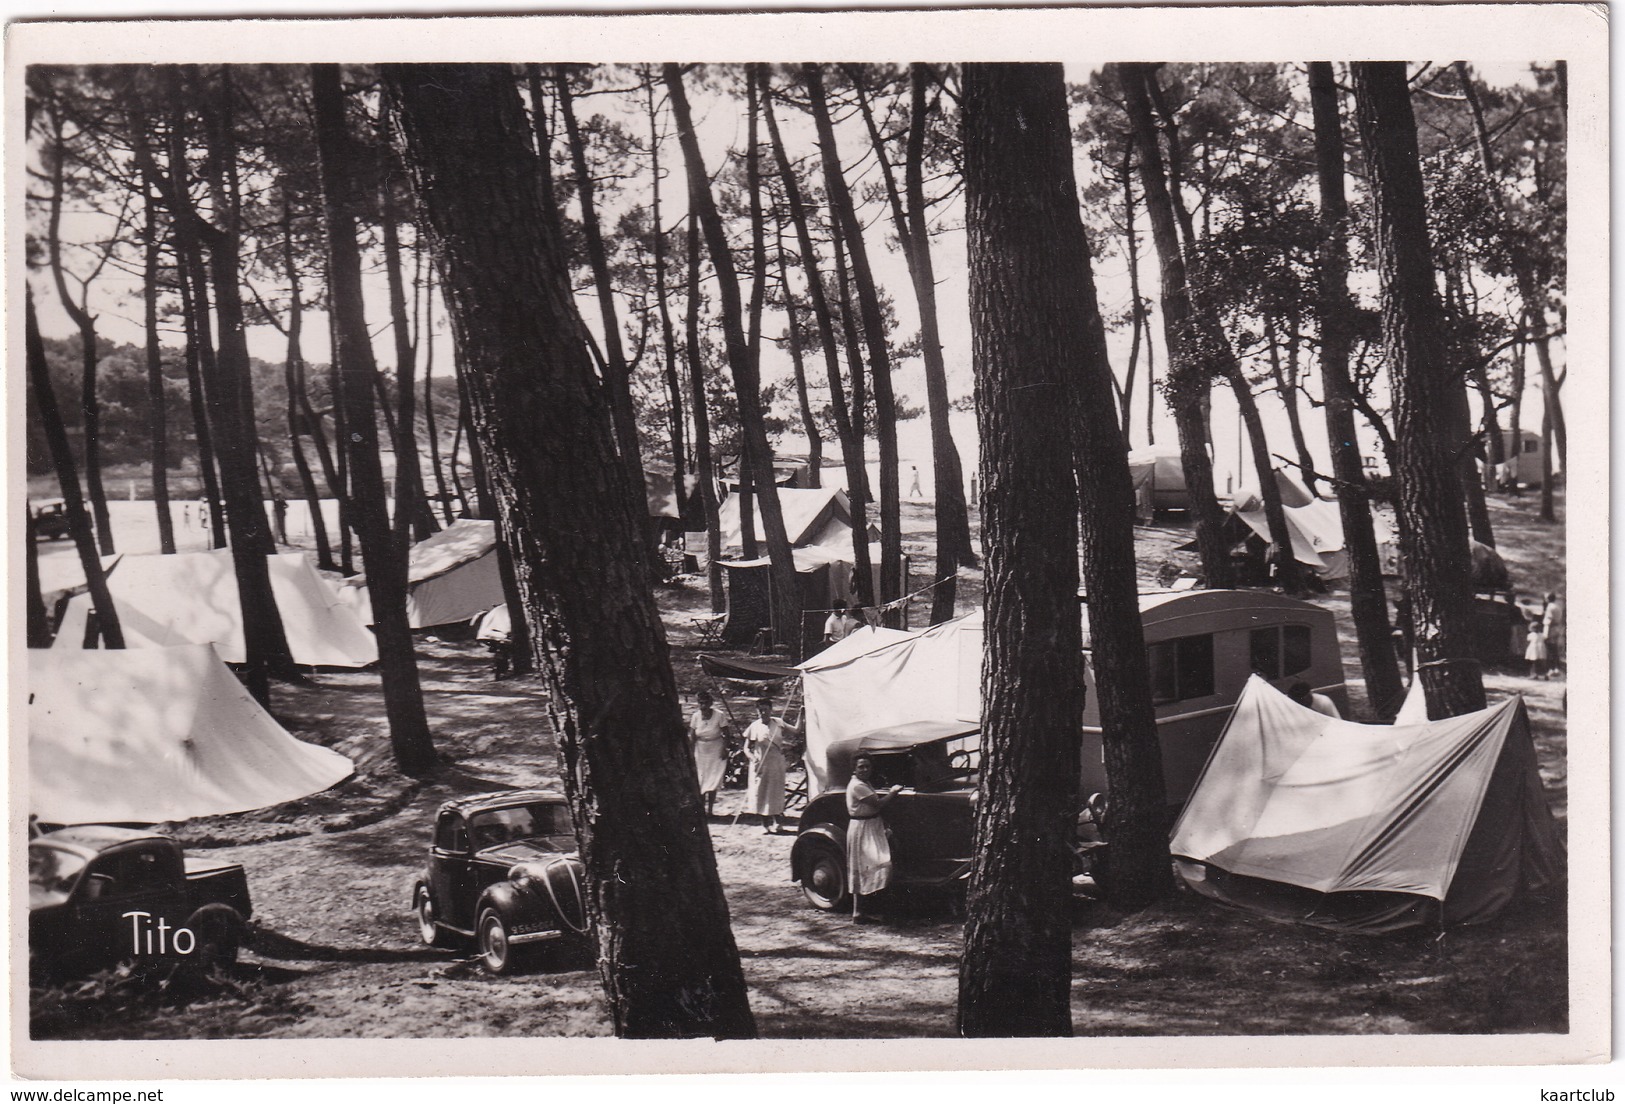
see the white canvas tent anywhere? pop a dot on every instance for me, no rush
(1368, 827)
(452, 576)
(1316, 524)
(157, 734)
(820, 517)
(931, 675)
(191, 598)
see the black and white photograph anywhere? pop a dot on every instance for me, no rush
(1038, 536)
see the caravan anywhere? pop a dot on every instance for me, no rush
(1202, 645)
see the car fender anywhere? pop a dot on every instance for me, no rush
(823, 831)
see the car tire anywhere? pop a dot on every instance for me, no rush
(497, 953)
(429, 930)
(219, 932)
(823, 876)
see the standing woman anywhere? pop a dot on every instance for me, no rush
(707, 735)
(764, 747)
(868, 851)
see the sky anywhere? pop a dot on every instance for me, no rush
(720, 123)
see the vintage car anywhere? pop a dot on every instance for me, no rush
(932, 821)
(503, 871)
(51, 520)
(100, 895)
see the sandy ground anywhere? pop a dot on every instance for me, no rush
(335, 952)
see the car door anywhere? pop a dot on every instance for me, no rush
(930, 834)
(451, 877)
(117, 886)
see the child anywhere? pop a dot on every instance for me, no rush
(1535, 650)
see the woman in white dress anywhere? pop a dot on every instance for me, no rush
(868, 851)
(765, 740)
(707, 735)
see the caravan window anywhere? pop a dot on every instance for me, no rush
(1181, 668)
(1281, 650)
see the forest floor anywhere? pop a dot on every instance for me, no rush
(335, 954)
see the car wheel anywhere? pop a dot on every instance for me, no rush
(428, 930)
(496, 952)
(823, 876)
(219, 932)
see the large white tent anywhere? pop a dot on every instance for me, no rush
(191, 598)
(817, 517)
(1368, 827)
(157, 734)
(1315, 524)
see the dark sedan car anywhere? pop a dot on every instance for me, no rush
(932, 821)
(503, 871)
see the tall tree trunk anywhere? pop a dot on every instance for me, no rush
(196, 396)
(521, 650)
(1187, 381)
(231, 393)
(1288, 572)
(157, 399)
(341, 457)
(667, 956)
(430, 430)
(702, 421)
(85, 323)
(874, 332)
(1289, 386)
(793, 338)
(56, 439)
(747, 384)
(848, 422)
(1432, 526)
(617, 375)
(952, 520)
(1131, 238)
(1015, 973)
(668, 339)
(412, 514)
(293, 376)
(1367, 595)
(382, 550)
(39, 623)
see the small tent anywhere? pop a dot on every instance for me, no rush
(451, 577)
(820, 517)
(1315, 524)
(1158, 475)
(1368, 827)
(191, 598)
(155, 734)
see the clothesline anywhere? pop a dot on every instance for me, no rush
(894, 604)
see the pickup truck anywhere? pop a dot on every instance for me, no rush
(100, 895)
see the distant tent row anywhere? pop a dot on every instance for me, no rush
(819, 525)
(156, 734)
(1369, 827)
(191, 598)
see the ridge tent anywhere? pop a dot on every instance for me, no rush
(1202, 646)
(1158, 475)
(820, 517)
(155, 734)
(1368, 828)
(191, 598)
(452, 576)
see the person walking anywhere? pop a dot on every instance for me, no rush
(914, 490)
(708, 739)
(868, 850)
(765, 740)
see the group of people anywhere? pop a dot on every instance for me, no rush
(767, 741)
(1544, 638)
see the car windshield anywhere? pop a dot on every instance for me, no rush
(53, 870)
(519, 822)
